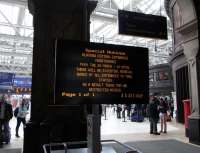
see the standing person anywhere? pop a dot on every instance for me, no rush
(8, 117)
(2, 117)
(119, 109)
(163, 107)
(171, 105)
(5, 115)
(21, 116)
(128, 107)
(153, 115)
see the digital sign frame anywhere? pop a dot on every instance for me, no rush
(97, 73)
(142, 25)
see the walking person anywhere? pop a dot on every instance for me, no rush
(21, 115)
(153, 115)
(163, 107)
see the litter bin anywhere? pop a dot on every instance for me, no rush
(186, 105)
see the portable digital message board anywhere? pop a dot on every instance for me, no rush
(143, 25)
(94, 73)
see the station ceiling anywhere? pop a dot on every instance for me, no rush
(16, 32)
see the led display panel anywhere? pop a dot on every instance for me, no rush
(95, 73)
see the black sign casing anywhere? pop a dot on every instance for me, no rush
(143, 25)
(68, 58)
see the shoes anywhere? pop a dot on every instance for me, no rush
(163, 132)
(151, 132)
(17, 135)
(156, 133)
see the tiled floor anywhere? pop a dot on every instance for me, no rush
(113, 128)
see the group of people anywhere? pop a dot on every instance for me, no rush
(158, 108)
(6, 114)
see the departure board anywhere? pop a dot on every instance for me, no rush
(95, 73)
(142, 25)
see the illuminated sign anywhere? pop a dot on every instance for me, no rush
(22, 81)
(143, 25)
(100, 73)
(20, 90)
(6, 79)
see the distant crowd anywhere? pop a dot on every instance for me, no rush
(159, 108)
(7, 111)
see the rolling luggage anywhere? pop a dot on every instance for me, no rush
(137, 117)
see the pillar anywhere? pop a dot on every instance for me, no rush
(185, 18)
(52, 20)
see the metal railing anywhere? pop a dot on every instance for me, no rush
(66, 144)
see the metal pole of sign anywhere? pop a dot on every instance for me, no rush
(93, 130)
(105, 113)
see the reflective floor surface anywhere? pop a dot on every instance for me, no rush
(117, 129)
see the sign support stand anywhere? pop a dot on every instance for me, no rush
(93, 130)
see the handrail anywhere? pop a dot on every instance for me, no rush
(124, 145)
(65, 144)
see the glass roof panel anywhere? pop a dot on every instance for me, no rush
(10, 12)
(122, 3)
(26, 32)
(16, 30)
(28, 19)
(7, 30)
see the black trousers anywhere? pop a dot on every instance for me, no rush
(1, 132)
(19, 120)
(153, 125)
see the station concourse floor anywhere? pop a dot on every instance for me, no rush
(117, 129)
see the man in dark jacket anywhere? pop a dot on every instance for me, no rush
(6, 114)
(153, 115)
(2, 116)
(8, 117)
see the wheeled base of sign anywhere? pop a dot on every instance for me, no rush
(105, 149)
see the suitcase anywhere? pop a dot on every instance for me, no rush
(137, 117)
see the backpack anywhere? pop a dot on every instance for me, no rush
(16, 111)
(8, 112)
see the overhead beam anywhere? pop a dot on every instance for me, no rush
(21, 16)
(109, 11)
(99, 28)
(16, 71)
(17, 38)
(99, 17)
(16, 26)
(15, 54)
(17, 65)
(20, 3)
